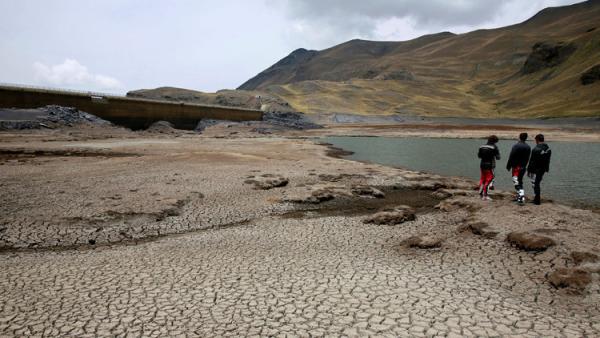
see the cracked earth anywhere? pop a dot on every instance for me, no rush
(198, 236)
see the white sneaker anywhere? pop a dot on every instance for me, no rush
(486, 198)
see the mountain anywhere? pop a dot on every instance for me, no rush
(536, 68)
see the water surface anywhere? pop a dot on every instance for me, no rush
(574, 176)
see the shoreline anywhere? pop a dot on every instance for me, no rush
(508, 132)
(341, 153)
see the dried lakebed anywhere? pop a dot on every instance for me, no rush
(329, 272)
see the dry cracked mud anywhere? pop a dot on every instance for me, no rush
(229, 260)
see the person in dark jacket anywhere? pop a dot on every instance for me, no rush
(517, 161)
(488, 153)
(539, 164)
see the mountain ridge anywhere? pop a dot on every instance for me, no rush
(476, 73)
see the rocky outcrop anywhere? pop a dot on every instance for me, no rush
(529, 241)
(52, 117)
(547, 55)
(398, 75)
(291, 120)
(394, 216)
(591, 75)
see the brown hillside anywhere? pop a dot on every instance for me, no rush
(230, 98)
(479, 73)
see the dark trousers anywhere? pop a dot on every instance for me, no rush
(536, 180)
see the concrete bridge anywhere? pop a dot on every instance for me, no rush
(134, 113)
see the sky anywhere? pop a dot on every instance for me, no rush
(114, 46)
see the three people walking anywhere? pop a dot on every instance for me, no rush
(521, 159)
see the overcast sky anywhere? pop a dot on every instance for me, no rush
(119, 45)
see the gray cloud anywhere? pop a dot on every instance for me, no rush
(440, 12)
(334, 21)
(209, 45)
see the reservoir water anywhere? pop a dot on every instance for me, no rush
(574, 176)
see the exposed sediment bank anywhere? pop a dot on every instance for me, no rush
(278, 253)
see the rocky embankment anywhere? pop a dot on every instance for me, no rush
(50, 117)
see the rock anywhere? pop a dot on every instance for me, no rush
(292, 120)
(483, 229)
(573, 278)
(394, 216)
(591, 75)
(423, 242)
(268, 182)
(547, 55)
(530, 241)
(365, 190)
(584, 257)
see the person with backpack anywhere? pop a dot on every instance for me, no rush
(488, 153)
(517, 161)
(539, 164)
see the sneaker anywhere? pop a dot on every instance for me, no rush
(487, 198)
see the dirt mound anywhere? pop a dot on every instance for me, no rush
(529, 241)
(423, 242)
(162, 127)
(573, 278)
(394, 216)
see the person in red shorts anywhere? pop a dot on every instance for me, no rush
(517, 161)
(488, 153)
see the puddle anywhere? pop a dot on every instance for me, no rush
(421, 200)
(116, 144)
(9, 154)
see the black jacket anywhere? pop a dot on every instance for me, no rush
(519, 156)
(540, 159)
(488, 153)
